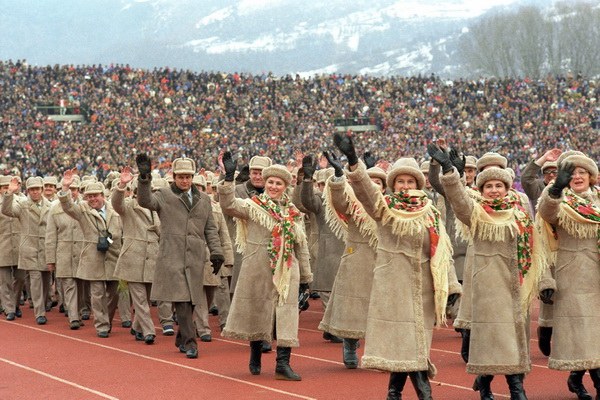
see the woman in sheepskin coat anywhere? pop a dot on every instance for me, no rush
(572, 206)
(412, 272)
(271, 236)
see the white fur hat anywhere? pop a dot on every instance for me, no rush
(279, 171)
(406, 166)
(494, 173)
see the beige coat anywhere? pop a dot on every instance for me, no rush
(254, 309)
(310, 226)
(211, 279)
(184, 235)
(401, 313)
(10, 237)
(346, 312)
(499, 341)
(141, 231)
(95, 265)
(331, 248)
(64, 240)
(575, 344)
(33, 219)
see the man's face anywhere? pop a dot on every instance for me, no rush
(74, 193)
(470, 173)
(49, 191)
(95, 200)
(256, 178)
(549, 175)
(3, 189)
(183, 181)
(35, 194)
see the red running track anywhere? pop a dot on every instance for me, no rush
(53, 362)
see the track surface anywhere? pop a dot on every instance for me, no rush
(53, 362)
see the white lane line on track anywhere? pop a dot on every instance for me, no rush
(299, 396)
(56, 378)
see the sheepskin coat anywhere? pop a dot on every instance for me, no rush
(64, 241)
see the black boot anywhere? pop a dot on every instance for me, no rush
(595, 375)
(349, 352)
(466, 341)
(265, 346)
(283, 370)
(255, 355)
(397, 381)
(420, 381)
(575, 385)
(482, 384)
(515, 386)
(544, 337)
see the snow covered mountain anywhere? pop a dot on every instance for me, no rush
(376, 37)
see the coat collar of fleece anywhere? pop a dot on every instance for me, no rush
(252, 190)
(178, 192)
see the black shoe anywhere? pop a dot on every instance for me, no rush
(18, 313)
(149, 339)
(102, 334)
(85, 316)
(266, 347)
(315, 295)
(331, 338)
(213, 310)
(10, 316)
(139, 336)
(74, 325)
(575, 385)
(61, 309)
(206, 338)
(349, 353)
(126, 324)
(168, 330)
(191, 353)
(41, 320)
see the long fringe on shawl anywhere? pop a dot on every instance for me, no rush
(366, 225)
(405, 223)
(257, 214)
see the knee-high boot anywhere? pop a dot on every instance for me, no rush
(544, 339)
(396, 385)
(595, 374)
(466, 341)
(349, 353)
(482, 384)
(255, 355)
(283, 370)
(575, 385)
(420, 381)
(515, 386)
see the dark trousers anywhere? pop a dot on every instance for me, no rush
(186, 335)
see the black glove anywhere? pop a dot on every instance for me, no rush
(304, 287)
(440, 156)
(344, 143)
(230, 166)
(458, 161)
(563, 178)
(217, 260)
(335, 163)
(369, 159)
(244, 174)
(144, 165)
(452, 299)
(546, 296)
(309, 167)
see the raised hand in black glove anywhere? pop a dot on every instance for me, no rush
(244, 174)
(369, 159)
(458, 161)
(440, 156)
(452, 299)
(144, 165)
(344, 143)
(335, 163)
(546, 296)
(309, 167)
(216, 260)
(230, 166)
(563, 178)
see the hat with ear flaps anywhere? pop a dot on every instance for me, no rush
(491, 158)
(549, 164)
(5, 180)
(494, 173)
(34, 182)
(376, 172)
(470, 162)
(199, 180)
(406, 166)
(425, 167)
(567, 154)
(94, 188)
(583, 161)
(279, 171)
(185, 166)
(260, 162)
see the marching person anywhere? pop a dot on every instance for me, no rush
(413, 279)
(101, 227)
(271, 237)
(32, 214)
(571, 205)
(187, 228)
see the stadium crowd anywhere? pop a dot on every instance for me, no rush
(169, 113)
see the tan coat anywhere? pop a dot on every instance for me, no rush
(211, 279)
(331, 248)
(10, 237)
(401, 313)
(499, 341)
(346, 312)
(33, 218)
(310, 226)
(141, 231)
(576, 323)
(254, 310)
(63, 242)
(95, 265)
(184, 234)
